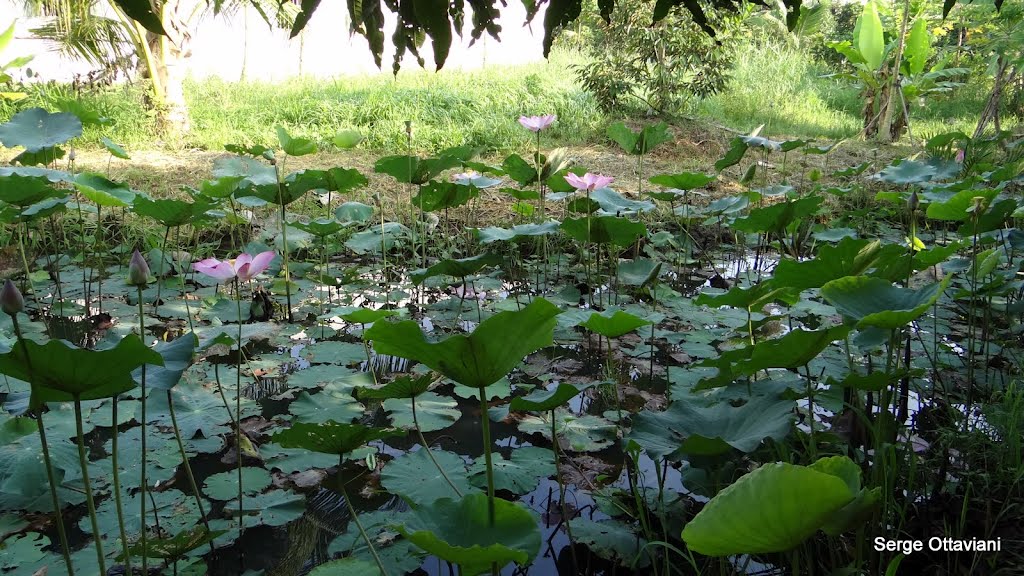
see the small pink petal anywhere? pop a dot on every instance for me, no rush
(215, 269)
(602, 181)
(255, 265)
(575, 181)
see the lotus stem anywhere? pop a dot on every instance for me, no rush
(188, 467)
(359, 525)
(142, 482)
(24, 260)
(426, 446)
(117, 491)
(486, 425)
(561, 492)
(58, 514)
(96, 534)
(99, 258)
(238, 394)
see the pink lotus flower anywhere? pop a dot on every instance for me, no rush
(244, 267)
(588, 182)
(537, 123)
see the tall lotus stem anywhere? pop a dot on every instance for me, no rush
(188, 467)
(142, 482)
(359, 525)
(117, 491)
(284, 254)
(96, 534)
(561, 490)
(160, 272)
(426, 446)
(12, 302)
(138, 276)
(485, 422)
(238, 395)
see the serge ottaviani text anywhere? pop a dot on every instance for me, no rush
(937, 544)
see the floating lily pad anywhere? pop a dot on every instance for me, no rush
(587, 433)
(612, 540)
(519, 474)
(433, 411)
(224, 485)
(414, 477)
(459, 531)
(330, 437)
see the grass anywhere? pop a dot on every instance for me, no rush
(787, 91)
(447, 108)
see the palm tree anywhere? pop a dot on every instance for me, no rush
(102, 32)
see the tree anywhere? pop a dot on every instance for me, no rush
(157, 32)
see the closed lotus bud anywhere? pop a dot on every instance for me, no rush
(71, 155)
(408, 128)
(914, 202)
(138, 270)
(11, 300)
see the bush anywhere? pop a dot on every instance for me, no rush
(659, 67)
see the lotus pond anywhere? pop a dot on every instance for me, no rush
(525, 368)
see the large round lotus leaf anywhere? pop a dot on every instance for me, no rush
(224, 485)
(639, 272)
(197, 409)
(27, 190)
(176, 546)
(353, 212)
(433, 412)
(326, 405)
(62, 372)
(776, 217)
(171, 212)
(604, 230)
(330, 437)
(771, 509)
(364, 315)
(414, 477)
(519, 474)
(275, 508)
(178, 511)
(956, 208)
(459, 268)
(683, 180)
(177, 355)
(587, 433)
(875, 302)
(403, 387)
(495, 234)
(102, 192)
(35, 129)
(435, 195)
(497, 345)
(321, 227)
(611, 202)
(542, 400)
(611, 539)
(613, 325)
(459, 531)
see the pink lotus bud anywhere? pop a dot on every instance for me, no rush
(11, 300)
(138, 270)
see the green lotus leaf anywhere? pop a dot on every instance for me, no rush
(956, 208)
(35, 129)
(688, 427)
(414, 477)
(434, 412)
(320, 227)
(497, 345)
(495, 234)
(171, 213)
(25, 191)
(346, 567)
(795, 501)
(604, 230)
(224, 485)
(519, 474)
(115, 149)
(459, 531)
(777, 217)
(331, 437)
(294, 146)
(177, 355)
(353, 213)
(434, 196)
(875, 302)
(542, 400)
(103, 192)
(683, 180)
(346, 139)
(402, 387)
(639, 272)
(613, 325)
(611, 202)
(612, 540)
(587, 433)
(459, 268)
(62, 372)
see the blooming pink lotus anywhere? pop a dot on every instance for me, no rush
(588, 182)
(537, 123)
(244, 267)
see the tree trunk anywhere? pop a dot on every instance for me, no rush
(885, 129)
(169, 56)
(991, 111)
